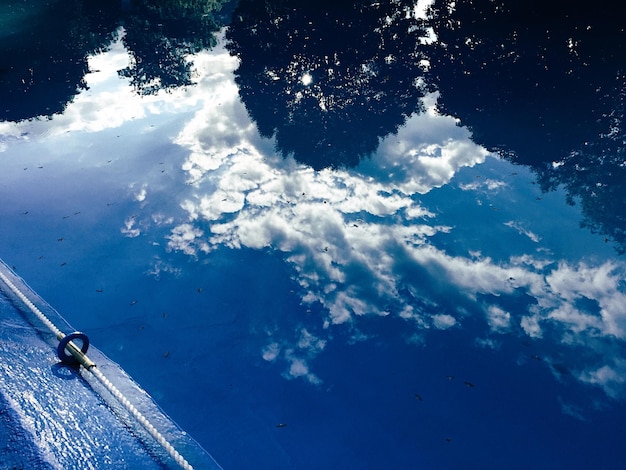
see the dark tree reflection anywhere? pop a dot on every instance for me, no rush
(43, 61)
(542, 83)
(532, 77)
(327, 79)
(595, 177)
(44, 47)
(160, 34)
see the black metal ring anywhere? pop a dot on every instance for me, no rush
(69, 358)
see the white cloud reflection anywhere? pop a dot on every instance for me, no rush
(359, 240)
(523, 231)
(109, 102)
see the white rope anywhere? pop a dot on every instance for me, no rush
(180, 460)
(58, 333)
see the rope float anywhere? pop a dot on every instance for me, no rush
(78, 356)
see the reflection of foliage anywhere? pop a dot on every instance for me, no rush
(541, 82)
(327, 80)
(44, 48)
(532, 77)
(595, 175)
(43, 62)
(160, 34)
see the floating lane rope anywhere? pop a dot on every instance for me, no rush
(77, 356)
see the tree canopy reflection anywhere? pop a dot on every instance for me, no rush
(41, 72)
(43, 62)
(160, 34)
(534, 79)
(595, 176)
(327, 80)
(543, 84)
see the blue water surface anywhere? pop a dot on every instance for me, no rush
(315, 251)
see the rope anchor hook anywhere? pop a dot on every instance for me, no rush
(77, 356)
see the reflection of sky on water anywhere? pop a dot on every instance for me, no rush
(431, 232)
(361, 241)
